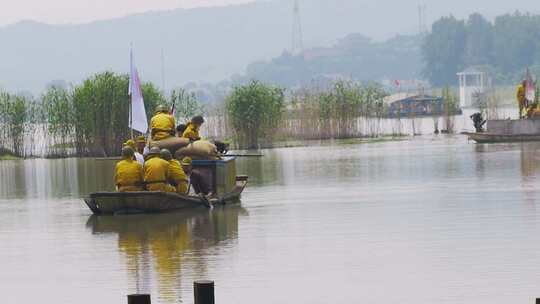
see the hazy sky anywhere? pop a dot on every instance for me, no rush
(78, 11)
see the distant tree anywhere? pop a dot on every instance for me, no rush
(479, 41)
(516, 41)
(101, 112)
(443, 51)
(58, 110)
(255, 110)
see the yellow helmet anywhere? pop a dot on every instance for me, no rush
(187, 161)
(130, 143)
(141, 139)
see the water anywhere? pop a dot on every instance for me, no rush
(431, 220)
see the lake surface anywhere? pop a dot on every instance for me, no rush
(430, 220)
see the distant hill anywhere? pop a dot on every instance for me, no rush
(353, 57)
(204, 44)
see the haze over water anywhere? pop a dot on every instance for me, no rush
(435, 219)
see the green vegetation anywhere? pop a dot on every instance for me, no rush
(101, 113)
(8, 157)
(16, 114)
(336, 112)
(88, 120)
(91, 119)
(186, 104)
(506, 47)
(255, 110)
(450, 106)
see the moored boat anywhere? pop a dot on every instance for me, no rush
(508, 131)
(220, 175)
(487, 138)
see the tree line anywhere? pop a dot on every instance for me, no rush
(92, 118)
(505, 46)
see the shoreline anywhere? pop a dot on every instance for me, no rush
(276, 145)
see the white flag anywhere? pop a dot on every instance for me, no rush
(138, 119)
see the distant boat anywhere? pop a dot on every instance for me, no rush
(501, 131)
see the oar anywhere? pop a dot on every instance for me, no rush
(244, 155)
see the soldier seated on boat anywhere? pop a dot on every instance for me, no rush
(156, 172)
(142, 148)
(193, 127)
(196, 179)
(128, 175)
(162, 124)
(177, 177)
(137, 156)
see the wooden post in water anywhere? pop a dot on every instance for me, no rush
(139, 299)
(204, 292)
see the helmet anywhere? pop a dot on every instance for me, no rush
(130, 143)
(186, 161)
(154, 151)
(165, 154)
(197, 120)
(162, 108)
(127, 152)
(141, 139)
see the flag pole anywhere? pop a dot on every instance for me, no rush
(130, 89)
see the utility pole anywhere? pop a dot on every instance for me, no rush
(297, 46)
(163, 72)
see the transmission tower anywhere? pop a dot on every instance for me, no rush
(422, 22)
(297, 46)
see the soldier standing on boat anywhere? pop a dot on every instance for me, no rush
(128, 175)
(196, 179)
(521, 96)
(163, 124)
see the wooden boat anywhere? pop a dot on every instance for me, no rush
(487, 138)
(219, 174)
(155, 202)
(508, 131)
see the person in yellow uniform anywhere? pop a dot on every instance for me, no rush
(177, 177)
(156, 172)
(137, 156)
(521, 96)
(196, 178)
(128, 175)
(162, 124)
(192, 128)
(141, 146)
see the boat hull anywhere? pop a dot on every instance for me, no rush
(111, 203)
(486, 138)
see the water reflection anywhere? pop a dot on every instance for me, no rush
(159, 248)
(58, 178)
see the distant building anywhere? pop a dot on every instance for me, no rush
(414, 105)
(473, 84)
